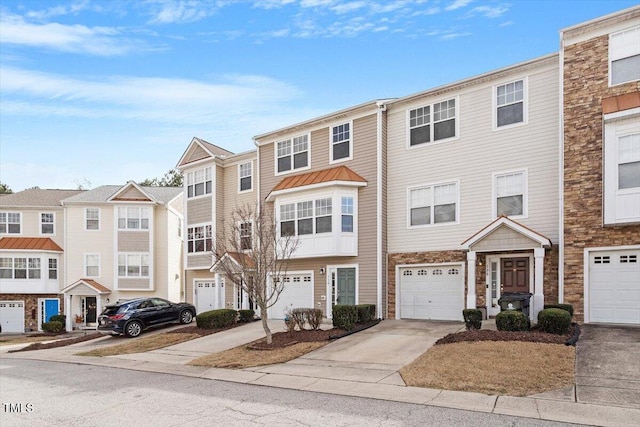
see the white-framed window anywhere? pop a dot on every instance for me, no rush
(92, 265)
(6, 268)
(622, 168)
(10, 222)
(510, 194)
(20, 268)
(245, 176)
(433, 204)
(133, 265)
(341, 144)
(624, 56)
(47, 223)
(292, 154)
(199, 239)
(133, 218)
(347, 214)
(53, 268)
(199, 182)
(433, 122)
(246, 236)
(92, 218)
(306, 217)
(510, 102)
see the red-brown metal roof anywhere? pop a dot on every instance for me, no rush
(29, 244)
(340, 173)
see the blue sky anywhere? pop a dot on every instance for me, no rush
(100, 92)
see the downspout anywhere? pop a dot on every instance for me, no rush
(561, 174)
(382, 107)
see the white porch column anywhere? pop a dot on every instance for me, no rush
(471, 279)
(218, 291)
(538, 293)
(67, 312)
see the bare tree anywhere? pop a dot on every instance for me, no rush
(254, 256)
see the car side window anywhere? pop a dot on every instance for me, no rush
(160, 303)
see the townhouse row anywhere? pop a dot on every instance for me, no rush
(523, 179)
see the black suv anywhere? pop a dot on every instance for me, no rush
(131, 317)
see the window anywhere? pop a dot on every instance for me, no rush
(92, 265)
(308, 217)
(510, 194)
(292, 154)
(34, 268)
(246, 236)
(510, 107)
(19, 268)
(130, 218)
(10, 222)
(47, 223)
(426, 127)
(433, 204)
(199, 239)
(53, 268)
(341, 142)
(347, 214)
(92, 218)
(199, 182)
(624, 56)
(133, 265)
(6, 268)
(244, 172)
(629, 161)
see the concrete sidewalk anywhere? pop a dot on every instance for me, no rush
(349, 367)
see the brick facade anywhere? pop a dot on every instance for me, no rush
(585, 78)
(31, 307)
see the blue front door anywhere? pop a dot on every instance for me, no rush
(51, 308)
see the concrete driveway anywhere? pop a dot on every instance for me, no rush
(374, 355)
(608, 366)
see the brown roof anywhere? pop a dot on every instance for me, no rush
(621, 102)
(29, 243)
(37, 197)
(340, 173)
(97, 286)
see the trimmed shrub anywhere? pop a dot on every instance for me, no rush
(554, 321)
(345, 316)
(58, 318)
(314, 318)
(567, 307)
(512, 320)
(216, 319)
(53, 326)
(472, 318)
(366, 312)
(246, 316)
(298, 317)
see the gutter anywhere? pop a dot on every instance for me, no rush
(382, 107)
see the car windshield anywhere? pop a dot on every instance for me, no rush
(115, 309)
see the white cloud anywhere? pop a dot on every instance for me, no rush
(182, 11)
(489, 11)
(348, 7)
(457, 4)
(101, 41)
(58, 10)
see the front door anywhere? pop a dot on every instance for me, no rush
(48, 308)
(346, 294)
(91, 308)
(514, 275)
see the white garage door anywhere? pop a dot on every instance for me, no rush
(207, 296)
(12, 316)
(614, 287)
(297, 293)
(432, 293)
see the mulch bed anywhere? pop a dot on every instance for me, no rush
(285, 339)
(58, 343)
(490, 335)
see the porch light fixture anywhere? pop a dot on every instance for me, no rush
(321, 270)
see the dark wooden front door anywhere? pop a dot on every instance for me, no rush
(514, 274)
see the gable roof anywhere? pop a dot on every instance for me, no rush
(340, 175)
(131, 192)
(199, 149)
(37, 197)
(237, 259)
(95, 286)
(104, 193)
(29, 244)
(504, 221)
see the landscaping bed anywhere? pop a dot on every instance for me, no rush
(491, 335)
(58, 343)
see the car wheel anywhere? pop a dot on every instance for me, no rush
(186, 317)
(133, 329)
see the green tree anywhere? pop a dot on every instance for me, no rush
(4, 189)
(173, 178)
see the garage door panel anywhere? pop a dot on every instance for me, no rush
(614, 287)
(296, 293)
(435, 292)
(12, 316)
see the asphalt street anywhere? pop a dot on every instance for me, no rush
(53, 394)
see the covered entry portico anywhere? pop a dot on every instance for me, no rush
(83, 302)
(515, 258)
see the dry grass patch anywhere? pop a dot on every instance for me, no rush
(243, 357)
(21, 339)
(491, 367)
(140, 345)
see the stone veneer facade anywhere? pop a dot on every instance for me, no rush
(585, 76)
(31, 307)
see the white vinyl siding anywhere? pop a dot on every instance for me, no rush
(624, 56)
(472, 160)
